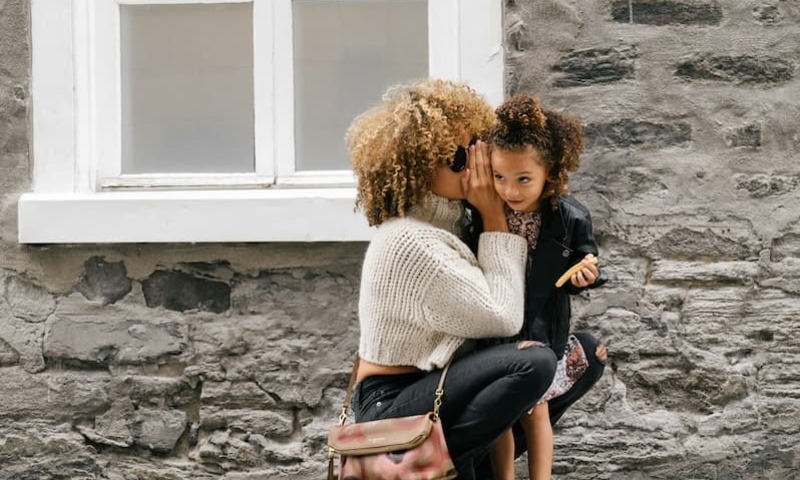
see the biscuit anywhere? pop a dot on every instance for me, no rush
(572, 271)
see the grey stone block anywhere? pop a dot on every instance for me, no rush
(158, 430)
(181, 292)
(8, 356)
(593, 66)
(53, 396)
(315, 297)
(35, 451)
(103, 281)
(82, 332)
(623, 183)
(747, 136)
(159, 391)
(740, 69)
(704, 274)
(263, 422)
(724, 321)
(626, 133)
(785, 246)
(235, 395)
(667, 12)
(616, 327)
(224, 451)
(56, 468)
(24, 340)
(689, 244)
(27, 300)
(764, 185)
(768, 14)
(702, 390)
(112, 427)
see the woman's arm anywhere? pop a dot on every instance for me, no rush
(478, 186)
(478, 301)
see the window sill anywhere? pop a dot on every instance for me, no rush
(274, 215)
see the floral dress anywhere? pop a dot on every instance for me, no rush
(574, 362)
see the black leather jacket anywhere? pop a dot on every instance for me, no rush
(565, 238)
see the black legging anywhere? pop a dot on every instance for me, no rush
(485, 393)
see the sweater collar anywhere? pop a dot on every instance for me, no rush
(440, 212)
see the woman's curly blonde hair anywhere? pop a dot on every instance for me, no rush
(396, 146)
(522, 123)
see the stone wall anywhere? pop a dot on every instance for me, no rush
(161, 361)
(227, 361)
(691, 110)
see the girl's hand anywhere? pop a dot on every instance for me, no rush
(479, 189)
(586, 275)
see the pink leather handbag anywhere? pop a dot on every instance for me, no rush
(407, 448)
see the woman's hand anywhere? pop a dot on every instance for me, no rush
(479, 189)
(586, 275)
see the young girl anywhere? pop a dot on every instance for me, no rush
(533, 151)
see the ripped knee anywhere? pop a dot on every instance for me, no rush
(601, 353)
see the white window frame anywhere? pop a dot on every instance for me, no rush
(103, 23)
(80, 195)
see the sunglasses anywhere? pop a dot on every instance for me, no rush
(459, 161)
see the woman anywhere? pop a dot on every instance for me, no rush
(423, 292)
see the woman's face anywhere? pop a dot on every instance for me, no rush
(447, 183)
(519, 178)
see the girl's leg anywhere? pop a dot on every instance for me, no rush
(502, 457)
(485, 393)
(559, 405)
(539, 436)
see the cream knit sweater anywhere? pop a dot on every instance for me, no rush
(423, 292)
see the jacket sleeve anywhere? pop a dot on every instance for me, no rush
(480, 300)
(583, 243)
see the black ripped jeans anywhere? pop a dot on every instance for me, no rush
(559, 405)
(485, 392)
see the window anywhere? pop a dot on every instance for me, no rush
(358, 48)
(186, 77)
(215, 121)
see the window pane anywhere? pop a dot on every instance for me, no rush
(187, 88)
(346, 53)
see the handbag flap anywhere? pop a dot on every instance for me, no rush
(380, 435)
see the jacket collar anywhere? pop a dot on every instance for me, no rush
(553, 223)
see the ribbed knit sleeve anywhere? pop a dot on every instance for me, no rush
(423, 292)
(477, 301)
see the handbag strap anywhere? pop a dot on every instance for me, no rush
(437, 401)
(350, 384)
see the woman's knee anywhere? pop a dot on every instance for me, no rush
(538, 362)
(526, 366)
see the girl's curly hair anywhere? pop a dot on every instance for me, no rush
(396, 146)
(558, 137)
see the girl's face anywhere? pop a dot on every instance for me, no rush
(519, 178)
